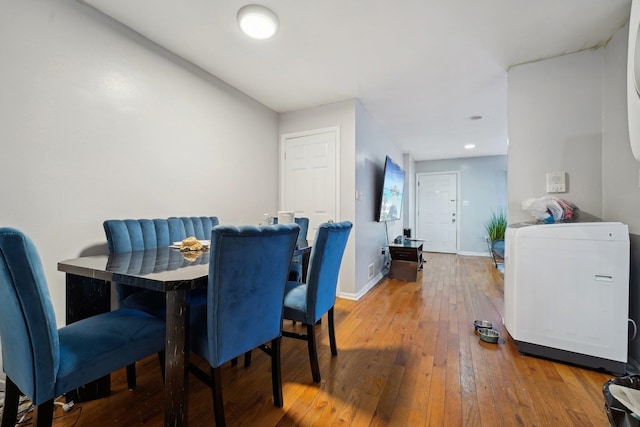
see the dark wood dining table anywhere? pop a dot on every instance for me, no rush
(164, 270)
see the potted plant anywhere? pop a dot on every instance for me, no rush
(496, 225)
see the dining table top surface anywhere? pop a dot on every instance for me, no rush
(161, 269)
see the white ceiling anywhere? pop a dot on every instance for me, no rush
(421, 68)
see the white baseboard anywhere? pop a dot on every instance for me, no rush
(465, 253)
(356, 296)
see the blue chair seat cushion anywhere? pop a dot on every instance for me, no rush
(295, 302)
(153, 302)
(124, 335)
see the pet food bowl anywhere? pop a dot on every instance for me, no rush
(482, 324)
(488, 335)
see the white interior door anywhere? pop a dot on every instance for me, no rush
(436, 217)
(309, 176)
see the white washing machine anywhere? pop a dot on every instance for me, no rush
(566, 292)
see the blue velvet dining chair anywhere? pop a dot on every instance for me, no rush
(308, 302)
(44, 362)
(248, 271)
(296, 269)
(127, 235)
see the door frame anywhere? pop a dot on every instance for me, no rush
(458, 187)
(283, 144)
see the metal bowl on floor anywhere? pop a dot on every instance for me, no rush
(480, 324)
(489, 335)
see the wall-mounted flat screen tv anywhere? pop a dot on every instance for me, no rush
(390, 205)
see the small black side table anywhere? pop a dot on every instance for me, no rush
(406, 260)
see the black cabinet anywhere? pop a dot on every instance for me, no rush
(406, 260)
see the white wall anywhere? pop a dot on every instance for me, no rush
(483, 186)
(372, 147)
(99, 123)
(621, 190)
(555, 124)
(341, 114)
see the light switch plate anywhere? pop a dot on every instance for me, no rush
(556, 182)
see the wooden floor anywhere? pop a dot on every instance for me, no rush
(407, 356)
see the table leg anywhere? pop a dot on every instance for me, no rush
(86, 297)
(176, 388)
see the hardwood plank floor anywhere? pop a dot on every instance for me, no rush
(407, 356)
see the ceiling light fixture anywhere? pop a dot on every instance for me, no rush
(257, 21)
(469, 146)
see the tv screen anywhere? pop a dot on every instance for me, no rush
(392, 189)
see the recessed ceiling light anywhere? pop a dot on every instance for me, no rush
(469, 146)
(257, 21)
(475, 117)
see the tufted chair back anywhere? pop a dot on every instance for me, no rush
(302, 222)
(248, 270)
(198, 226)
(30, 347)
(126, 235)
(326, 257)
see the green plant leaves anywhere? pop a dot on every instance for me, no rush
(496, 225)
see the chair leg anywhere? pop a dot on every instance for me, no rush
(276, 373)
(131, 376)
(313, 352)
(234, 361)
(247, 359)
(332, 333)
(43, 414)
(161, 359)
(216, 389)
(11, 401)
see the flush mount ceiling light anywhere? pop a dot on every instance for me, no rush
(257, 21)
(469, 146)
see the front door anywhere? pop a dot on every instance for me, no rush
(309, 176)
(436, 217)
